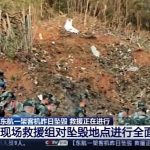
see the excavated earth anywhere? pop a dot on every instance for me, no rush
(63, 64)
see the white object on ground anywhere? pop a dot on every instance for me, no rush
(132, 68)
(40, 97)
(82, 68)
(40, 36)
(95, 51)
(129, 50)
(53, 42)
(43, 60)
(68, 26)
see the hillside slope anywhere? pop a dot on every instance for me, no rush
(63, 63)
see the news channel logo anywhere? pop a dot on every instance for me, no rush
(56, 142)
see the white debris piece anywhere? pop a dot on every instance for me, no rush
(43, 61)
(129, 50)
(35, 82)
(71, 60)
(53, 42)
(132, 68)
(40, 36)
(95, 51)
(68, 27)
(58, 65)
(40, 97)
(69, 77)
(82, 68)
(70, 56)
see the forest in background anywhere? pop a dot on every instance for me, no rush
(117, 13)
(17, 17)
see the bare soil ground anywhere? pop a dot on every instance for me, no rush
(63, 63)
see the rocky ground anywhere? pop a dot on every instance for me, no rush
(64, 64)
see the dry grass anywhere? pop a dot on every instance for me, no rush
(17, 17)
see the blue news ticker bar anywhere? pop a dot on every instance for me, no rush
(84, 143)
(56, 121)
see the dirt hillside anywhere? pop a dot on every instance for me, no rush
(63, 64)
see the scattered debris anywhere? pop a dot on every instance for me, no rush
(88, 35)
(40, 97)
(95, 52)
(69, 70)
(82, 68)
(36, 81)
(53, 42)
(132, 68)
(43, 60)
(68, 27)
(40, 36)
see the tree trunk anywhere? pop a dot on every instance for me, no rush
(86, 11)
(96, 7)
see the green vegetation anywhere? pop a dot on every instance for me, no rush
(17, 16)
